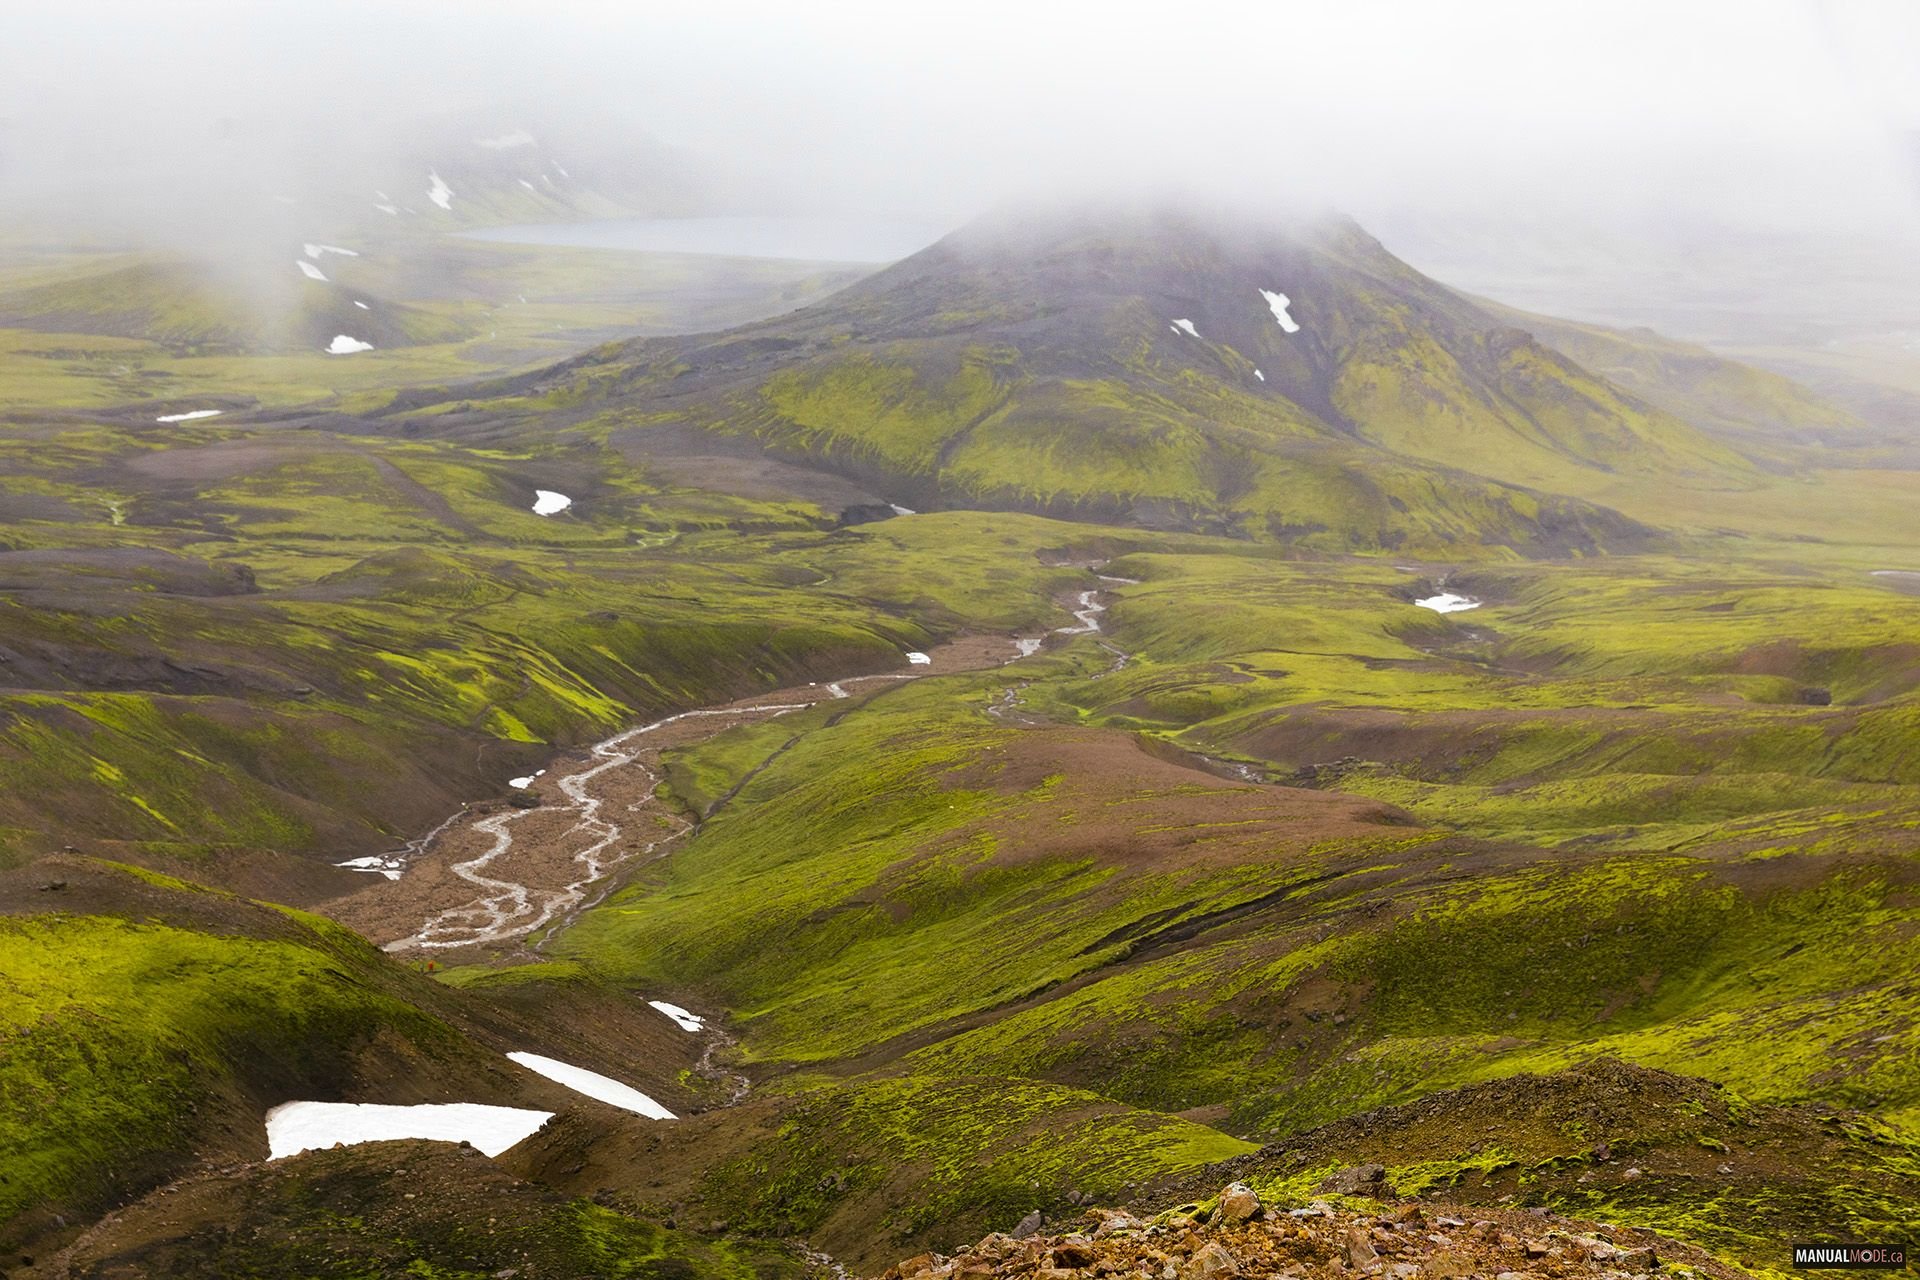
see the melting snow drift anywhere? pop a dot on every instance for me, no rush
(687, 1021)
(342, 345)
(1447, 602)
(594, 1085)
(189, 417)
(293, 1127)
(546, 502)
(919, 659)
(438, 191)
(310, 271)
(379, 864)
(315, 250)
(1279, 302)
(1186, 327)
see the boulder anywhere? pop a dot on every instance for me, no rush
(1356, 1180)
(1211, 1262)
(1238, 1203)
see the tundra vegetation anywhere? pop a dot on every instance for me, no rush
(1600, 896)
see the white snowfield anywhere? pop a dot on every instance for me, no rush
(1260, 375)
(438, 191)
(310, 271)
(686, 1021)
(902, 511)
(525, 782)
(1186, 327)
(594, 1085)
(363, 306)
(1278, 303)
(189, 417)
(293, 1127)
(315, 250)
(546, 502)
(919, 659)
(342, 345)
(1448, 602)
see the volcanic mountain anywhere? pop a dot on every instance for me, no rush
(1290, 381)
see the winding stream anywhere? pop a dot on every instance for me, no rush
(507, 911)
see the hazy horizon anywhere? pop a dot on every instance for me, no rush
(1765, 115)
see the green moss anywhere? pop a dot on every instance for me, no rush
(116, 1033)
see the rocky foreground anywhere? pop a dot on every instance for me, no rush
(1236, 1235)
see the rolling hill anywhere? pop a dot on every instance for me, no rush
(1596, 899)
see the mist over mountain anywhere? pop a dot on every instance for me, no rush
(753, 641)
(1278, 376)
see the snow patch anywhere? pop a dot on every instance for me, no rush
(1028, 645)
(594, 1085)
(438, 191)
(310, 271)
(379, 864)
(1448, 602)
(506, 141)
(342, 345)
(528, 185)
(293, 1127)
(546, 502)
(1279, 302)
(189, 416)
(363, 306)
(684, 1020)
(388, 209)
(902, 511)
(919, 659)
(1260, 375)
(315, 250)
(1186, 327)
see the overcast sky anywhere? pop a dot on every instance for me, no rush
(1765, 111)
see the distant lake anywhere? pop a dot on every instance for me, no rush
(810, 239)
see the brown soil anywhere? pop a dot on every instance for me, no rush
(370, 1210)
(1402, 1242)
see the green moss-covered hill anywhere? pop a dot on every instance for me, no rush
(1133, 367)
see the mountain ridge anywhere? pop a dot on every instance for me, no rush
(1139, 367)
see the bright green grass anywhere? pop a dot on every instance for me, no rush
(115, 1033)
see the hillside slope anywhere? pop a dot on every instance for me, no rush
(1161, 370)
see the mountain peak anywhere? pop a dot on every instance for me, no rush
(1282, 377)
